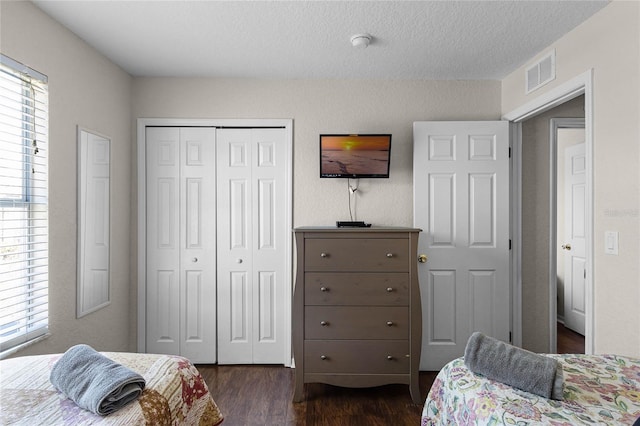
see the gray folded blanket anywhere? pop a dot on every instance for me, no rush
(514, 366)
(94, 382)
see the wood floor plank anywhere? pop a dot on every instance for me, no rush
(251, 395)
(569, 342)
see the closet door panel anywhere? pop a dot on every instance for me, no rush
(235, 263)
(269, 194)
(251, 202)
(198, 244)
(163, 251)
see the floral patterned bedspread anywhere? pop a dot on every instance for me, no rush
(598, 390)
(175, 394)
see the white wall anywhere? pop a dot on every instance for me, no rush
(608, 43)
(84, 89)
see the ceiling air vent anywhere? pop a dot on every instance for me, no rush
(540, 73)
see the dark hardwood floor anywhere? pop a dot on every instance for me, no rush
(569, 342)
(262, 395)
(251, 395)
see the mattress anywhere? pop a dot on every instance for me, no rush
(598, 389)
(175, 394)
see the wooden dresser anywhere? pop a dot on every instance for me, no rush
(357, 319)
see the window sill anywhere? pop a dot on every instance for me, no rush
(9, 352)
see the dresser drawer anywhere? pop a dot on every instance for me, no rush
(357, 254)
(357, 356)
(356, 288)
(356, 322)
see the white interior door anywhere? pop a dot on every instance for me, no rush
(181, 242)
(574, 247)
(461, 202)
(252, 273)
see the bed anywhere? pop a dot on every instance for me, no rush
(175, 394)
(599, 390)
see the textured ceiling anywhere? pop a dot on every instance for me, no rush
(310, 39)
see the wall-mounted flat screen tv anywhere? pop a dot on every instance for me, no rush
(355, 156)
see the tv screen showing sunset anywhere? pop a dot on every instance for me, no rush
(354, 156)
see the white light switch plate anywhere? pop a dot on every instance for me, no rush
(611, 242)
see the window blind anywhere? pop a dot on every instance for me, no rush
(24, 229)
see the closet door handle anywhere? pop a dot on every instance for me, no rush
(389, 323)
(389, 255)
(194, 260)
(324, 289)
(324, 255)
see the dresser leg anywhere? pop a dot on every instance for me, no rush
(298, 393)
(414, 389)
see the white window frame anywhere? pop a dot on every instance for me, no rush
(24, 228)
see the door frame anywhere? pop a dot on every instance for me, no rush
(554, 125)
(142, 124)
(579, 85)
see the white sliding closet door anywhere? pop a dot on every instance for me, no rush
(252, 234)
(181, 242)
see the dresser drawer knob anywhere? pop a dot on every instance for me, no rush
(325, 289)
(324, 323)
(389, 357)
(323, 357)
(389, 289)
(389, 255)
(324, 255)
(389, 323)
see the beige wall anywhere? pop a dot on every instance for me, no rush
(608, 43)
(535, 223)
(329, 106)
(84, 89)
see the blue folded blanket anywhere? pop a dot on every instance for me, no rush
(514, 366)
(94, 382)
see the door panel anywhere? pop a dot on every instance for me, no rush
(181, 242)
(198, 244)
(575, 238)
(461, 201)
(268, 238)
(163, 254)
(251, 275)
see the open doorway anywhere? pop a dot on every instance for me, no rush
(539, 224)
(534, 315)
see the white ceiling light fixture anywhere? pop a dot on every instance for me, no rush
(360, 41)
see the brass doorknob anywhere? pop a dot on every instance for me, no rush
(422, 258)
(566, 246)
